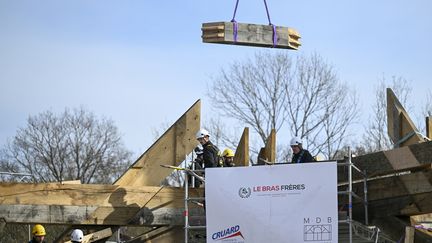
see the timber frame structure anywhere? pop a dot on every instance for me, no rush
(399, 188)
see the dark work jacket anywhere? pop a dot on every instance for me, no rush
(302, 156)
(210, 155)
(33, 241)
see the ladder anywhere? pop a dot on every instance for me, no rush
(194, 176)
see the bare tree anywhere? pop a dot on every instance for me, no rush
(320, 107)
(74, 145)
(253, 92)
(376, 136)
(273, 91)
(427, 110)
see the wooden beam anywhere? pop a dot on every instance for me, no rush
(387, 162)
(395, 228)
(267, 154)
(406, 205)
(164, 234)
(170, 149)
(395, 186)
(94, 204)
(270, 148)
(409, 234)
(71, 182)
(400, 127)
(429, 127)
(422, 223)
(250, 35)
(241, 157)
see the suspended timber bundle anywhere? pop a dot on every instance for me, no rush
(250, 35)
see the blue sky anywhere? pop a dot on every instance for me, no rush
(142, 63)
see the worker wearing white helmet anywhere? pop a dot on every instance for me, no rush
(210, 151)
(77, 236)
(300, 155)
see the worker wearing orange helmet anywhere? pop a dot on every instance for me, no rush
(38, 234)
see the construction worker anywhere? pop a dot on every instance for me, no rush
(38, 234)
(199, 165)
(199, 160)
(228, 158)
(210, 151)
(77, 236)
(300, 155)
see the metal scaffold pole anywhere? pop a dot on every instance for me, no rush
(186, 210)
(365, 198)
(350, 193)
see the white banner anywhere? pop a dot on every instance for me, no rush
(270, 204)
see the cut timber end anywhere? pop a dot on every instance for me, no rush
(171, 147)
(400, 127)
(250, 35)
(241, 157)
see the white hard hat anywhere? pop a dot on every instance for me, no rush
(77, 235)
(296, 141)
(202, 133)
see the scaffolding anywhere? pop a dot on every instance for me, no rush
(194, 176)
(358, 232)
(349, 230)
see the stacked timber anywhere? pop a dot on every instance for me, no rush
(399, 181)
(250, 35)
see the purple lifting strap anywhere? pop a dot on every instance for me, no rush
(235, 30)
(273, 26)
(235, 24)
(275, 37)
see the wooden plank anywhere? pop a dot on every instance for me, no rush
(400, 127)
(250, 35)
(170, 149)
(71, 182)
(422, 223)
(93, 204)
(267, 154)
(409, 234)
(165, 234)
(429, 127)
(241, 157)
(421, 218)
(270, 148)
